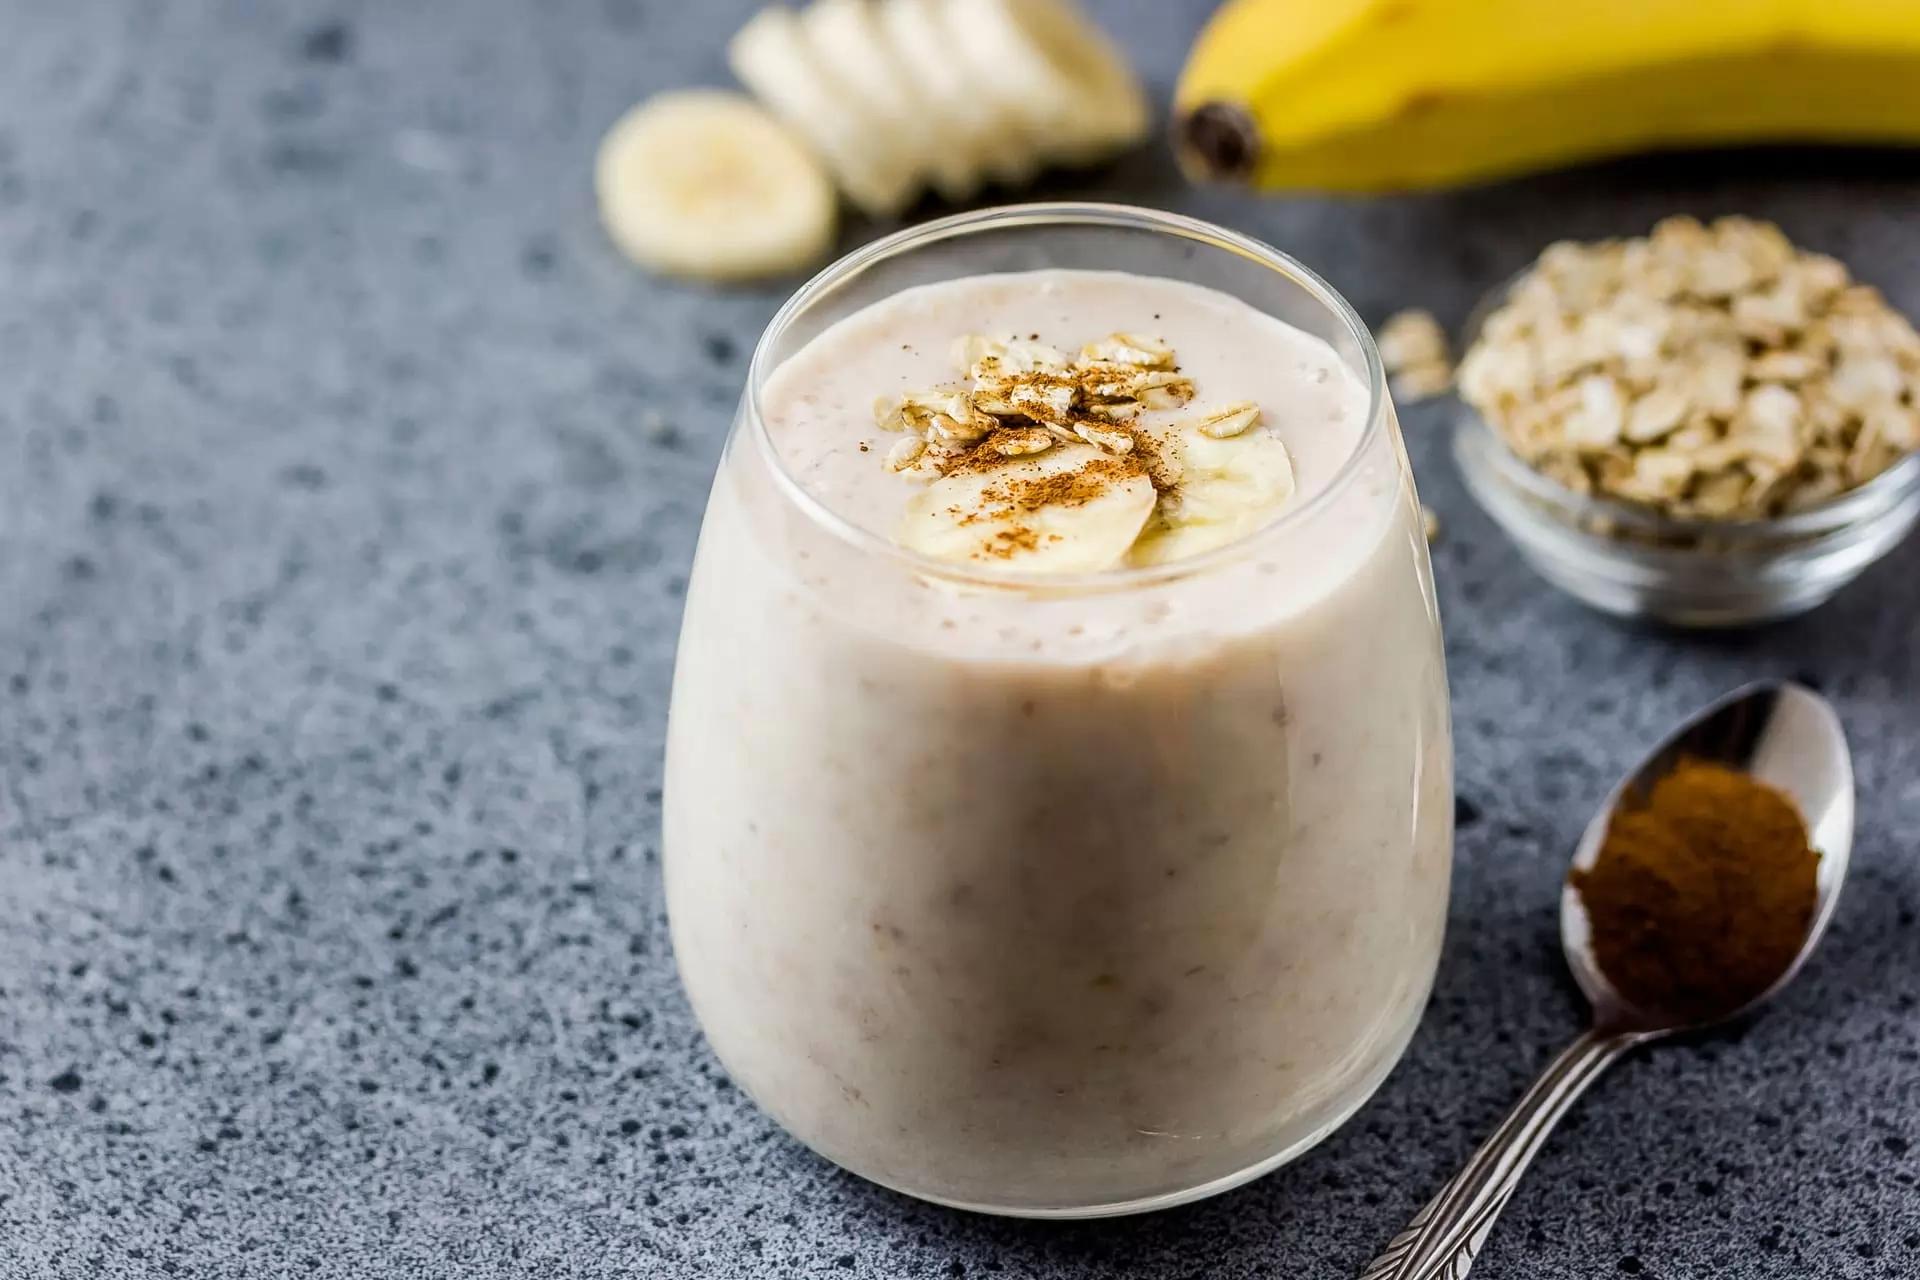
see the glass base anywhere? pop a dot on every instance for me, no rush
(1187, 1195)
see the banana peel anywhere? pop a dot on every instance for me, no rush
(1382, 95)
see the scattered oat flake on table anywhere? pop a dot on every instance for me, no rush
(1413, 350)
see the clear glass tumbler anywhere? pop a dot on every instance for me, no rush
(1060, 930)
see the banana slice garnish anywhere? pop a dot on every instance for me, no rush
(1228, 487)
(1071, 508)
(706, 184)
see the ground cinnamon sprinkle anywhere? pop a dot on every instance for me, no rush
(1006, 542)
(1068, 488)
(1700, 898)
(1073, 488)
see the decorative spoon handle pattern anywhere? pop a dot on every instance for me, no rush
(1444, 1237)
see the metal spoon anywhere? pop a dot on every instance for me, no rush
(1780, 733)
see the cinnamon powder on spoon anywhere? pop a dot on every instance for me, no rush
(1700, 897)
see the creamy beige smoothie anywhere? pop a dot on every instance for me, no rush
(1086, 866)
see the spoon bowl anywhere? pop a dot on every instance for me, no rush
(1777, 732)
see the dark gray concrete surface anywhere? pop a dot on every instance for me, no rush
(348, 483)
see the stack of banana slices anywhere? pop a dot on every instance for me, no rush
(881, 99)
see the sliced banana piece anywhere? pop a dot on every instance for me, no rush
(773, 56)
(1074, 95)
(706, 184)
(976, 93)
(964, 118)
(1010, 130)
(1227, 489)
(851, 44)
(1094, 509)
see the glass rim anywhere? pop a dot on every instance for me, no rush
(1052, 214)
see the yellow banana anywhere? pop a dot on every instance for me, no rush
(1376, 95)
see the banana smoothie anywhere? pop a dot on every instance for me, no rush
(1059, 802)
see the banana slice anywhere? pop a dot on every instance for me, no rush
(1071, 90)
(847, 38)
(1227, 488)
(957, 104)
(1008, 125)
(774, 57)
(705, 184)
(1070, 509)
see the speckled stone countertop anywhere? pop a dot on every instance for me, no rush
(348, 483)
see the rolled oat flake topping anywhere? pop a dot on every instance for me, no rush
(1065, 464)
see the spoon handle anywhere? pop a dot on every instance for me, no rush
(1443, 1238)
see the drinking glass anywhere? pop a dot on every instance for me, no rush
(1060, 929)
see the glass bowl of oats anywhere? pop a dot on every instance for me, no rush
(1706, 426)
